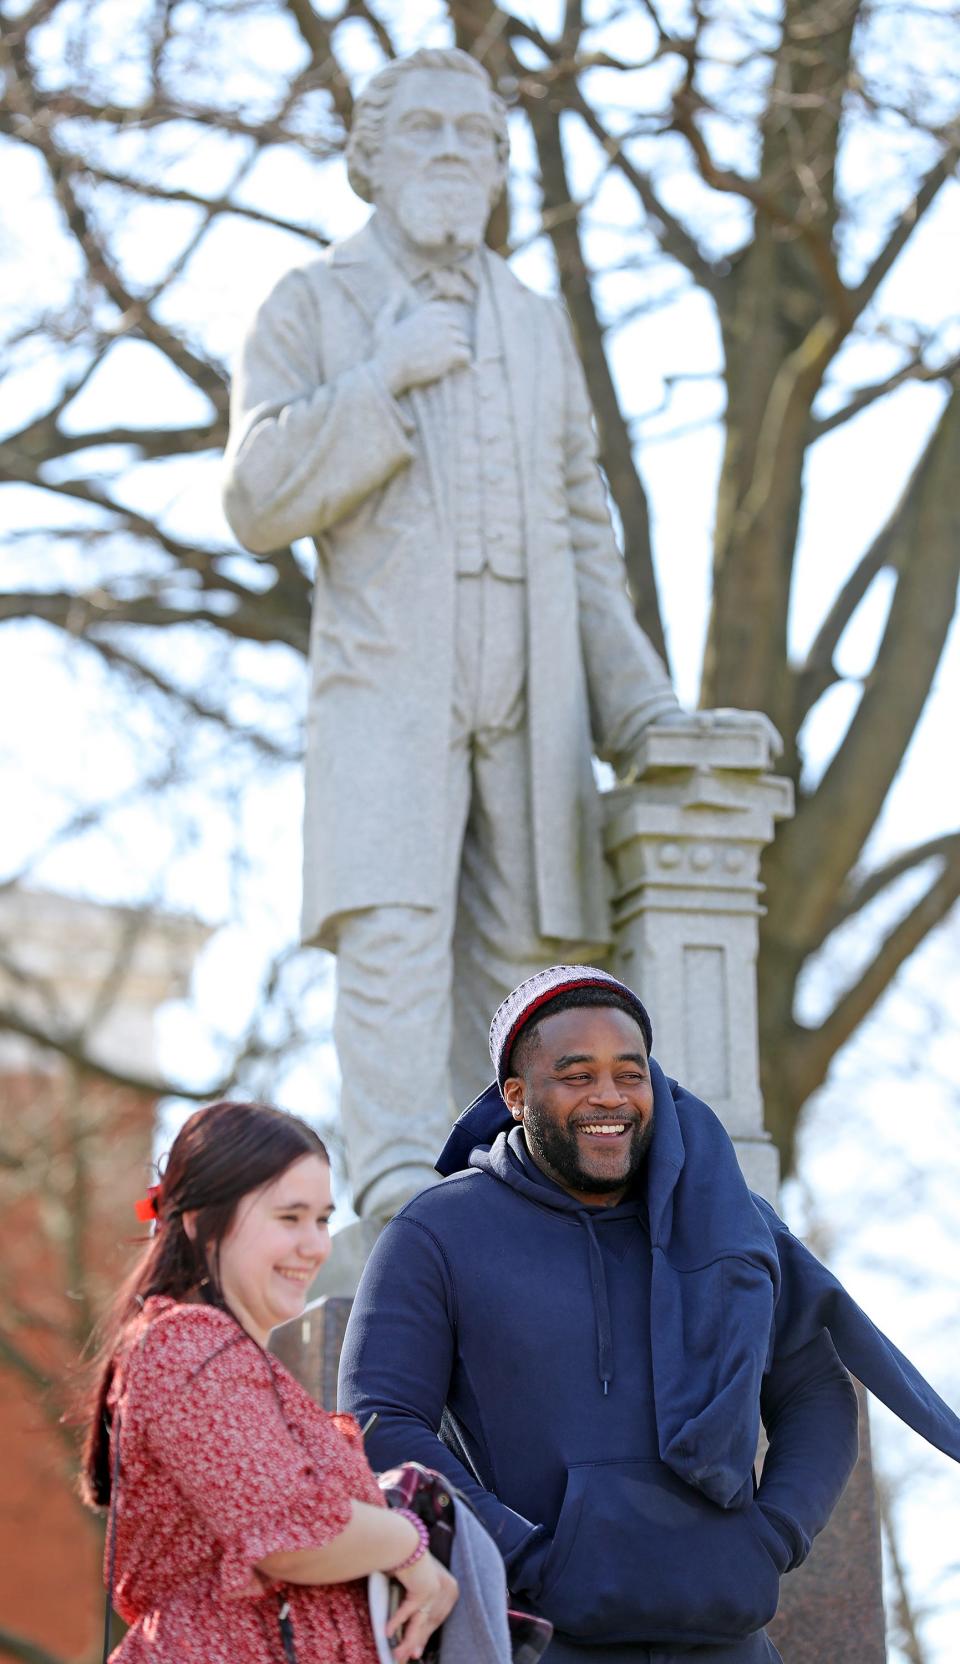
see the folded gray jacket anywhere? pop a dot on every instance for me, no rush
(476, 1631)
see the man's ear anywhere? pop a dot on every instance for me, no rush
(514, 1094)
(190, 1224)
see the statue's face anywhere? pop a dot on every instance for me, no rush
(438, 173)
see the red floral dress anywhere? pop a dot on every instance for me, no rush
(225, 1459)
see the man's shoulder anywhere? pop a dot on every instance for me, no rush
(322, 277)
(446, 1199)
(314, 277)
(504, 278)
(455, 1208)
(777, 1227)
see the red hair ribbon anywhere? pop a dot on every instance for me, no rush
(148, 1206)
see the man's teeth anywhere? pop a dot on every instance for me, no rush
(605, 1129)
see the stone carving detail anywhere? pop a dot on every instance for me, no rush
(685, 843)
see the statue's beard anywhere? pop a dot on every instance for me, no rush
(446, 218)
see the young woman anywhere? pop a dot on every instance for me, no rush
(246, 1518)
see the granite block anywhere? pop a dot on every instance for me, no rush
(831, 1609)
(309, 1346)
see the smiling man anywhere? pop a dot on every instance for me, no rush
(583, 1328)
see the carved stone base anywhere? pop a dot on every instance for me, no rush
(309, 1346)
(832, 1608)
(684, 845)
(349, 1251)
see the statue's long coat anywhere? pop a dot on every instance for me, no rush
(319, 447)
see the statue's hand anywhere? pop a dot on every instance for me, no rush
(422, 348)
(727, 717)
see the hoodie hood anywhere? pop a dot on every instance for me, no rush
(476, 1127)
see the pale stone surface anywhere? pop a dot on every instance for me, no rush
(309, 1346)
(339, 1276)
(685, 843)
(831, 1608)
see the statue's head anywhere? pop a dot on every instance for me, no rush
(428, 147)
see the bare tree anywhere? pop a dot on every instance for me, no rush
(877, 1199)
(733, 136)
(775, 164)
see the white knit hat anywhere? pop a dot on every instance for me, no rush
(518, 1007)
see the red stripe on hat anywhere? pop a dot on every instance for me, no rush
(542, 999)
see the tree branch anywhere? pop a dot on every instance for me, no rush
(860, 895)
(812, 1050)
(818, 672)
(135, 311)
(904, 228)
(203, 563)
(837, 818)
(190, 702)
(211, 206)
(727, 180)
(616, 450)
(26, 1652)
(71, 1047)
(379, 30)
(914, 1651)
(673, 237)
(915, 371)
(317, 36)
(155, 112)
(746, 662)
(87, 614)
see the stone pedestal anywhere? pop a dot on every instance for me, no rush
(309, 1346)
(832, 1607)
(350, 1249)
(684, 843)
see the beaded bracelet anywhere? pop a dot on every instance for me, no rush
(422, 1534)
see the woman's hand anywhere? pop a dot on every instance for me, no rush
(431, 1593)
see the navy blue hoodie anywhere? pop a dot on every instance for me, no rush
(593, 1378)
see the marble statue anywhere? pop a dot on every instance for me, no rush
(410, 405)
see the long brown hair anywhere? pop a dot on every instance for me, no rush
(222, 1153)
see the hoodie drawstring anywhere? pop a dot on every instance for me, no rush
(601, 1305)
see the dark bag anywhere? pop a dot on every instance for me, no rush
(430, 1496)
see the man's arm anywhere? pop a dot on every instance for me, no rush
(627, 681)
(397, 1361)
(809, 1409)
(303, 451)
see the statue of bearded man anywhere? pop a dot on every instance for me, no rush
(422, 416)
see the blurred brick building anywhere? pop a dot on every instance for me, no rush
(75, 1152)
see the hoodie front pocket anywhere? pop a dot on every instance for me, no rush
(640, 1556)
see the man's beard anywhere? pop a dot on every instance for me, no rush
(558, 1149)
(445, 216)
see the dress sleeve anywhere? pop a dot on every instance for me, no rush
(212, 1418)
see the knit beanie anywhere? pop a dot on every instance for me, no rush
(517, 1009)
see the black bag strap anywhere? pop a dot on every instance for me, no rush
(113, 1432)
